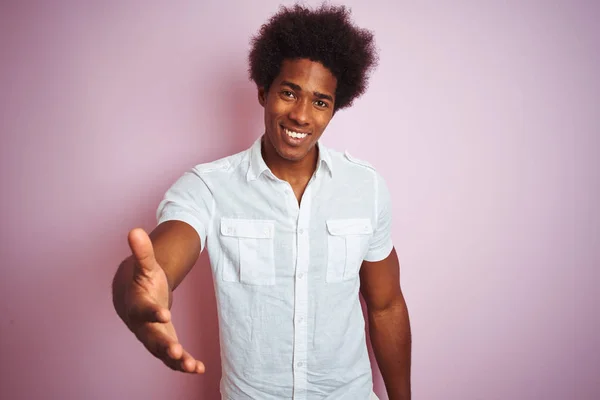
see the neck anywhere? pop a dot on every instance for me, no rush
(293, 172)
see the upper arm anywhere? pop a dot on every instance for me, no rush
(380, 282)
(176, 249)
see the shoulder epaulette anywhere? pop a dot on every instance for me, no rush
(213, 165)
(357, 161)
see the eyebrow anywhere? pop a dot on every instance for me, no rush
(299, 89)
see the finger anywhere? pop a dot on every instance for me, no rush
(174, 351)
(200, 367)
(159, 341)
(169, 350)
(163, 315)
(177, 358)
(190, 364)
(144, 309)
(142, 249)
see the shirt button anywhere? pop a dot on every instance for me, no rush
(301, 231)
(300, 364)
(300, 320)
(300, 275)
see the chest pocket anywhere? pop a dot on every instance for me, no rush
(248, 251)
(347, 244)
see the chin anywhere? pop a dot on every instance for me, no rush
(290, 154)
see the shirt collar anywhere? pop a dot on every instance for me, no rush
(324, 158)
(258, 166)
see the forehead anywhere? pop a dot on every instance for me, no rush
(310, 75)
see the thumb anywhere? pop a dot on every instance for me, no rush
(141, 247)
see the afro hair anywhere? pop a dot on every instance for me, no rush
(325, 35)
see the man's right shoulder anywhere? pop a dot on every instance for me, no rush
(228, 164)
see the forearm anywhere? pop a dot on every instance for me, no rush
(389, 329)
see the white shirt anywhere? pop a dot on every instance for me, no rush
(287, 275)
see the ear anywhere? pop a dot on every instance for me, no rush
(262, 96)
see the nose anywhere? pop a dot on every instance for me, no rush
(300, 112)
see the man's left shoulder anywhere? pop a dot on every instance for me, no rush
(352, 166)
(357, 161)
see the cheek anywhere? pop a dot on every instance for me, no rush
(278, 107)
(323, 121)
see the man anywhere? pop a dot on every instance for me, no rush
(293, 231)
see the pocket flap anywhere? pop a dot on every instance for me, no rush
(342, 227)
(247, 228)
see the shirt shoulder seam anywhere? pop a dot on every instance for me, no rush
(358, 161)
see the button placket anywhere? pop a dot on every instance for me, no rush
(301, 296)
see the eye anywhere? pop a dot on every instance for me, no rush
(288, 94)
(321, 104)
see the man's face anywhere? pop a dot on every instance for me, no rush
(298, 107)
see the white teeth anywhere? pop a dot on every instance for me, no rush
(295, 135)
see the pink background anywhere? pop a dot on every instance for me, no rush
(484, 117)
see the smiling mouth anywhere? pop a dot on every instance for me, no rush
(294, 134)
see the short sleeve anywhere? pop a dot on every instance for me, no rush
(188, 200)
(381, 243)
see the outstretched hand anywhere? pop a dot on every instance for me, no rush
(147, 306)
